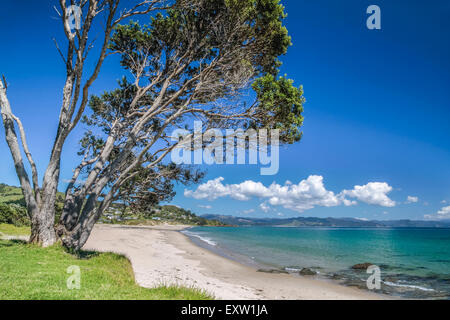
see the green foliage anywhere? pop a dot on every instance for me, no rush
(13, 208)
(11, 195)
(265, 22)
(32, 273)
(150, 186)
(14, 214)
(118, 214)
(262, 37)
(185, 216)
(281, 105)
(206, 31)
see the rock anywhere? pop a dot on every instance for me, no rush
(307, 272)
(362, 266)
(273, 271)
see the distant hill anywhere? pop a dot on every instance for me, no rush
(327, 222)
(11, 195)
(159, 214)
(12, 206)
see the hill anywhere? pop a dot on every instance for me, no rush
(160, 214)
(327, 222)
(11, 195)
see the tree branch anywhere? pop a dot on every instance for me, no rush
(13, 144)
(34, 171)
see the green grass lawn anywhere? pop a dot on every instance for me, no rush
(29, 272)
(10, 230)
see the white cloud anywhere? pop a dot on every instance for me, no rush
(264, 207)
(305, 195)
(249, 211)
(205, 207)
(215, 189)
(372, 193)
(444, 213)
(444, 201)
(412, 199)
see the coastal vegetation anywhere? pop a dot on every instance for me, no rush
(119, 214)
(191, 60)
(14, 213)
(29, 272)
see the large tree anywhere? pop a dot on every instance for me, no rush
(210, 60)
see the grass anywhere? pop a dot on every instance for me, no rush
(10, 194)
(28, 272)
(10, 230)
(11, 197)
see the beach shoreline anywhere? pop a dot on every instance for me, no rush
(162, 255)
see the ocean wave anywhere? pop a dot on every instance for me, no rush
(207, 240)
(392, 284)
(291, 269)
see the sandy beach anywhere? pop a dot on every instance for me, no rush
(163, 255)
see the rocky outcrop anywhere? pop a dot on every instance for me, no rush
(273, 271)
(307, 272)
(362, 266)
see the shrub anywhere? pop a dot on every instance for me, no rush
(14, 214)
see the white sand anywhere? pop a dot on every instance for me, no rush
(162, 255)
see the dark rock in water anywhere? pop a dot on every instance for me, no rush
(307, 272)
(335, 276)
(273, 271)
(362, 266)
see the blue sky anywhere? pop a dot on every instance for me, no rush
(378, 105)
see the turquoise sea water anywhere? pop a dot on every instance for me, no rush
(414, 263)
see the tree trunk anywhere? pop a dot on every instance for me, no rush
(77, 238)
(43, 223)
(42, 230)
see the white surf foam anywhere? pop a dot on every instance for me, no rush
(204, 239)
(392, 284)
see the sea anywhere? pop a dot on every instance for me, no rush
(413, 263)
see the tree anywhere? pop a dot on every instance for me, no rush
(195, 60)
(40, 199)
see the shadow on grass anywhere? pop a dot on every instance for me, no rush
(10, 243)
(82, 255)
(86, 255)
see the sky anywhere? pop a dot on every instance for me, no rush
(376, 141)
